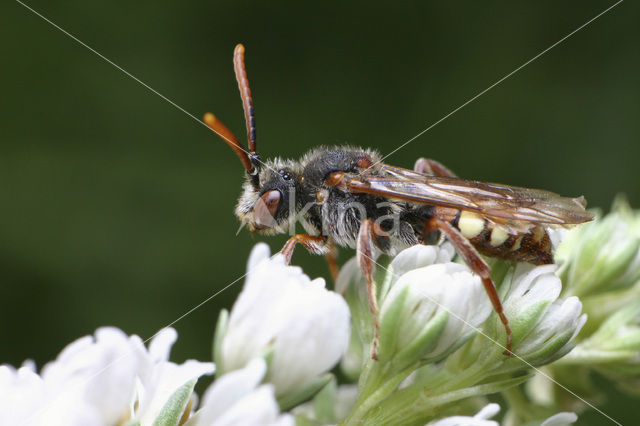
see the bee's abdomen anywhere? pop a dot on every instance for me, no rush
(533, 245)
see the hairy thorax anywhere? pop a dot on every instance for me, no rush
(337, 214)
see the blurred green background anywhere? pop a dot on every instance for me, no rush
(116, 207)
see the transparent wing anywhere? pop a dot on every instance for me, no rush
(502, 203)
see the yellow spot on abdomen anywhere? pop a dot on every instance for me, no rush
(470, 224)
(538, 233)
(498, 236)
(517, 244)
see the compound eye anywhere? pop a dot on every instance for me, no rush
(265, 209)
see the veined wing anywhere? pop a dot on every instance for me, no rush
(499, 202)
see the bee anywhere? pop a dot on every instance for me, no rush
(347, 196)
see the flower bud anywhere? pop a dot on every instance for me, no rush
(614, 348)
(298, 325)
(429, 312)
(542, 325)
(352, 284)
(602, 255)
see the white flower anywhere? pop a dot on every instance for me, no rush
(561, 419)
(562, 318)
(542, 324)
(101, 369)
(414, 257)
(21, 394)
(90, 383)
(93, 381)
(490, 410)
(159, 378)
(480, 419)
(353, 286)
(236, 399)
(531, 286)
(430, 310)
(300, 325)
(419, 256)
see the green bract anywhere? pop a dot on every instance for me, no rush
(602, 255)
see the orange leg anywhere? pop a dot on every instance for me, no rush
(332, 260)
(367, 237)
(432, 168)
(479, 266)
(315, 245)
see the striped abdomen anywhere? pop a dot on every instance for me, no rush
(491, 239)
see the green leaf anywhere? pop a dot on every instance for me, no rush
(173, 409)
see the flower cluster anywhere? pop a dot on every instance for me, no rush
(290, 351)
(106, 379)
(600, 263)
(273, 350)
(440, 341)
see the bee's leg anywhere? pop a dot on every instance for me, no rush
(431, 167)
(477, 265)
(369, 233)
(315, 245)
(332, 260)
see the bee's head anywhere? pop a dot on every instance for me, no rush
(268, 202)
(269, 190)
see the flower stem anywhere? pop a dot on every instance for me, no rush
(376, 388)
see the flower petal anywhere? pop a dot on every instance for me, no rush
(234, 400)
(228, 389)
(479, 419)
(257, 408)
(281, 311)
(160, 346)
(561, 419)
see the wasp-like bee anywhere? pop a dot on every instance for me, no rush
(348, 197)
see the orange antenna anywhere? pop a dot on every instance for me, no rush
(226, 135)
(245, 94)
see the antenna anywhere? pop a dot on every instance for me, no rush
(245, 94)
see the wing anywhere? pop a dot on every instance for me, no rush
(501, 203)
